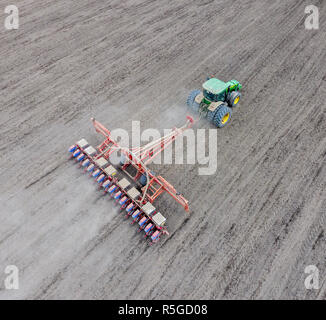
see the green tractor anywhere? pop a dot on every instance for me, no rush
(216, 101)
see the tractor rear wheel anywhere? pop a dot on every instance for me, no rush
(222, 116)
(234, 98)
(191, 103)
(211, 115)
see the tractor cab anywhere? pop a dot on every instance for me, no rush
(215, 90)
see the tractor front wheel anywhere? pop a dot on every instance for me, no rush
(234, 98)
(222, 116)
(191, 103)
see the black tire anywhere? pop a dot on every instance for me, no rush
(222, 116)
(143, 179)
(234, 98)
(191, 103)
(211, 115)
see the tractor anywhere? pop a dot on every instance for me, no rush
(216, 101)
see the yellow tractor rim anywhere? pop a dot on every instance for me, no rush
(236, 100)
(226, 118)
